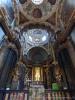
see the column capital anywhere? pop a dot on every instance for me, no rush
(19, 63)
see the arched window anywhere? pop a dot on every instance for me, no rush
(37, 2)
(1, 33)
(73, 35)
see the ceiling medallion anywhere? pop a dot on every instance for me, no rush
(37, 13)
(37, 2)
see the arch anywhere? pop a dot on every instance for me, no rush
(37, 55)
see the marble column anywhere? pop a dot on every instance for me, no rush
(21, 69)
(48, 77)
(1, 61)
(66, 64)
(71, 51)
(45, 78)
(7, 62)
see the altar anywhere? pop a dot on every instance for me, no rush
(36, 92)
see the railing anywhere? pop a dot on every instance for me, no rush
(58, 95)
(13, 95)
(48, 94)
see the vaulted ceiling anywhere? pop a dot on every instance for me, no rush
(37, 22)
(58, 16)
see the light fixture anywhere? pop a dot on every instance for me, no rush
(44, 38)
(30, 38)
(37, 2)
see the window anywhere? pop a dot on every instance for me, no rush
(73, 35)
(37, 2)
(5, 2)
(71, 2)
(1, 33)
